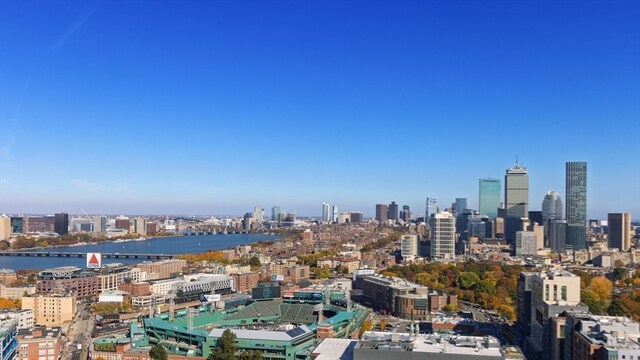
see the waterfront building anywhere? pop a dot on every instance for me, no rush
(442, 234)
(5, 227)
(67, 278)
(392, 212)
(99, 224)
(619, 225)
(17, 224)
(123, 223)
(51, 309)
(516, 197)
(489, 197)
(576, 206)
(61, 225)
(409, 246)
(140, 226)
(258, 214)
(275, 210)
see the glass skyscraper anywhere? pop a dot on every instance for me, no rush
(576, 206)
(489, 197)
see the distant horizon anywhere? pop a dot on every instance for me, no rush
(220, 106)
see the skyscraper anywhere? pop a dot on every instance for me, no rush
(61, 224)
(405, 213)
(409, 246)
(576, 207)
(442, 234)
(431, 208)
(489, 197)
(392, 213)
(461, 205)
(551, 206)
(619, 231)
(275, 210)
(325, 213)
(334, 214)
(381, 213)
(99, 223)
(258, 214)
(516, 198)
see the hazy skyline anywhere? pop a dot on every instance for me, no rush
(217, 107)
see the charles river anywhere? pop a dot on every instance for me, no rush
(166, 245)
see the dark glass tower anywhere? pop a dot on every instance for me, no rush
(61, 224)
(576, 205)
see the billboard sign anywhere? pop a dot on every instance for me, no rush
(275, 277)
(94, 260)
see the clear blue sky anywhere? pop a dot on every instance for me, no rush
(161, 107)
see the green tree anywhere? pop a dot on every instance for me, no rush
(255, 262)
(468, 280)
(449, 307)
(158, 352)
(226, 347)
(592, 300)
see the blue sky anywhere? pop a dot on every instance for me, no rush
(159, 107)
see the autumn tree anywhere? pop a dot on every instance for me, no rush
(601, 286)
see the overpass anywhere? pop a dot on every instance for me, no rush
(84, 254)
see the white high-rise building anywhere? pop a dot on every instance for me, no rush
(325, 213)
(442, 234)
(334, 214)
(409, 246)
(258, 214)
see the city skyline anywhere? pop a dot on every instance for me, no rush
(219, 107)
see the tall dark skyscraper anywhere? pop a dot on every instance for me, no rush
(619, 225)
(392, 213)
(61, 224)
(405, 213)
(381, 213)
(576, 206)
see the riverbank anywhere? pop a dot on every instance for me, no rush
(162, 245)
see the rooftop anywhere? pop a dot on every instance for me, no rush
(268, 335)
(335, 349)
(436, 343)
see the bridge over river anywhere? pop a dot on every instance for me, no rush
(84, 254)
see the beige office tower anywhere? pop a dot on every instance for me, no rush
(619, 231)
(5, 227)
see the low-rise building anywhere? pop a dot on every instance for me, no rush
(39, 343)
(24, 317)
(16, 292)
(7, 276)
(163, 269)
(413, 346)
(245, 281)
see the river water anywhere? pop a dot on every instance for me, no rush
(166, 245)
